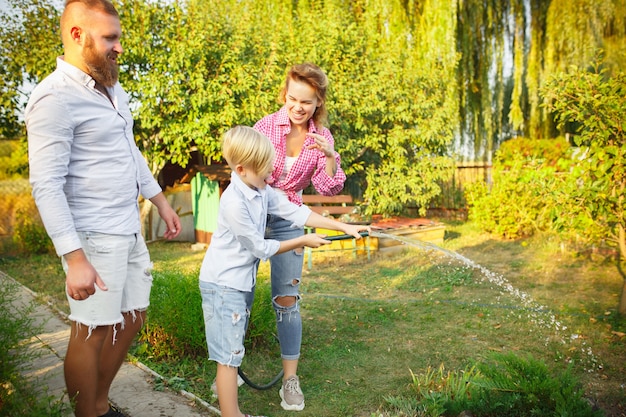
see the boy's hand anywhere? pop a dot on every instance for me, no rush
(314, 240)
(354, 229)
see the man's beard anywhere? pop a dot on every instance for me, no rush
(100, 67)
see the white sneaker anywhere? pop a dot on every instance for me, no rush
(240, 382)
(291, 394)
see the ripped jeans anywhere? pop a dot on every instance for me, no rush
(225, 319)
(286, 274)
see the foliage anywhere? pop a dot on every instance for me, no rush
(545, 152)
(21, 221)
(172, 332)
(592, 103)
(25, 26)
(13, 160)
(504, 385)
(509, 48)
(29, 232)
(18, 397)
(520, 199)
(196, 68)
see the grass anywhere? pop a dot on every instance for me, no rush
(369, 326)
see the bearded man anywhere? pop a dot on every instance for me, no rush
(87, 174)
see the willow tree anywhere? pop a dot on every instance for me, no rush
(482, 29)
(539, 38)
(565, 33)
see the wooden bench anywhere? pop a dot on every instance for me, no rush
(335, 205)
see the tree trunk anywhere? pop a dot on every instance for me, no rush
(622, 250)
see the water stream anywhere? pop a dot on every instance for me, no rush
(541, 315)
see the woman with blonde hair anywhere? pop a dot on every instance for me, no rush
(305, 155)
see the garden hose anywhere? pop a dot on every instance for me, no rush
(260, 387)
(343, 237)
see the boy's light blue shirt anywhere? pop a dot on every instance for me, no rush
(239, 242)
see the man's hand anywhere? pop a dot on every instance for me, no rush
(82, 277)
(169, 216)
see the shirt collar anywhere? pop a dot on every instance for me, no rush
(75, 72)
(248, 193)
(282, 119)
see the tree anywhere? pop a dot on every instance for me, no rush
(29, 43)
(196, 68)
(593, 104)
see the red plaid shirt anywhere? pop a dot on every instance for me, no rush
(310, 165)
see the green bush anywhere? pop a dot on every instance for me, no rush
(545, 152)
(175, 326)
(512, 386)
(503, 386)
(522, 197)
(515, 205)
(536, 186)
(29, 233)
(13, 159)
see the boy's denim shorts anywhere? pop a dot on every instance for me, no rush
(225, 320)
(123, 263)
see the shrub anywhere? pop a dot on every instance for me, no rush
(13, 159)
(29, 233)
(505, 386)
(521, 200)
(515, 205)
(175, 326)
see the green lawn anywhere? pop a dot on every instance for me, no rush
(369, 324)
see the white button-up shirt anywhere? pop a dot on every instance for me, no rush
(85, 168)
(239, 242)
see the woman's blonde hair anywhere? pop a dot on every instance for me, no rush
(314, 76)
(242, 145)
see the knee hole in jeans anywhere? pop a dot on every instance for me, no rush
(286, 300)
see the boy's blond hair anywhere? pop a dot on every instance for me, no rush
(242, 145)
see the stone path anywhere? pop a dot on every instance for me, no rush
(132, 391)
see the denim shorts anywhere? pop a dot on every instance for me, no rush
(225, 320)
(123, 263)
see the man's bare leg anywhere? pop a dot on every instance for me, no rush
(114, 354)
(81, 367)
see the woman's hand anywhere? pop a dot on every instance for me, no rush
(322, 144)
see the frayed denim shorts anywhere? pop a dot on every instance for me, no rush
(123, 263)
(225, 320)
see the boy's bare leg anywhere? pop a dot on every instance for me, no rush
(227, 390)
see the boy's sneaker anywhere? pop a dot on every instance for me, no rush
(291, 394)
(240, 382)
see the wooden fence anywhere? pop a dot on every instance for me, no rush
(451, 202)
